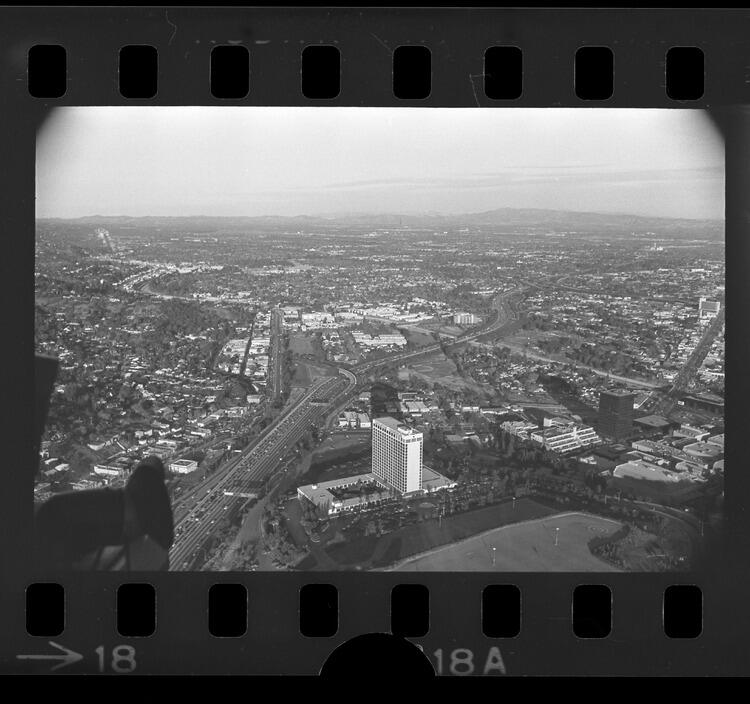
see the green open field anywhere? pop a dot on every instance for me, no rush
(525, 547)
(339, 455)
(438, 368)
(378, 552)
(417, 337)
(301, 344)
(305, 372)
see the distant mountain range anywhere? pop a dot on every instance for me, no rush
(524, 219)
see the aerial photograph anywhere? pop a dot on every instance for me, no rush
(380, 339)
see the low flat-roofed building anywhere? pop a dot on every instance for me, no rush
(183, 466)
(708, 403)
(327, 495)
(108, 470)
(638, 469)
(704, 452)
(363, 490)
(688, 467)
(707, 309)
(566, 439)
(519, 428)
(654, 423)
(689, 431)
(433, 481)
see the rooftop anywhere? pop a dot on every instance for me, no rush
(431, 480)
(640, 469)
(703, 449)
(396, 425)
(653, 421)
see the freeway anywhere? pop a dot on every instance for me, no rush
(199, 513)
(245, 473)
(690, 368)
(504, 315)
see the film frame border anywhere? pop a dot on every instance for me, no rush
(366, 38)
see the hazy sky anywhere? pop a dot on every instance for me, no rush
(321, 161)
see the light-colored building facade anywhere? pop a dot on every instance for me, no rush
(397, 454)
(566, 439)
(638, 469)
(464, 319)
(708, 309)
(183, 466)
(331, 497)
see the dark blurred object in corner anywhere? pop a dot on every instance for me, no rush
(104, 529)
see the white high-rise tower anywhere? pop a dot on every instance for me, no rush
(397, 454)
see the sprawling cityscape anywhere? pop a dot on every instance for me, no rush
(516, 389)
(263, 373)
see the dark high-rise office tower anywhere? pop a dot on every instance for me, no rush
(616, 413)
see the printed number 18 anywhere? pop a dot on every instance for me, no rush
(123, 658)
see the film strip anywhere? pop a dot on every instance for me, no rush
(199, 618)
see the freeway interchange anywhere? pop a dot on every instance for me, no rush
(198, 514)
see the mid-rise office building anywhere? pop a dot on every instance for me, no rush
(397, 454)
(616, 413)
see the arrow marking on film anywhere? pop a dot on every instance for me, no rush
(67, 658)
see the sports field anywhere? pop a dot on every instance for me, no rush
(523, 547)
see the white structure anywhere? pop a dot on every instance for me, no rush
(397, 454)
(708, 309)
(639, 469)
(183, 466)
(519, 428)
(362, 491)
(464, 319)
(565, 439)
(332, 496)
(107, 470)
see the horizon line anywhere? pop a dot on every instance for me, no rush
(384, 214)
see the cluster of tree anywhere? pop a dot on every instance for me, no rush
(595, 481)
(288, 366)
(536, 321)
(178, 284)
(178, 316)
(601, 357)
(463, 297)
(553, 345)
